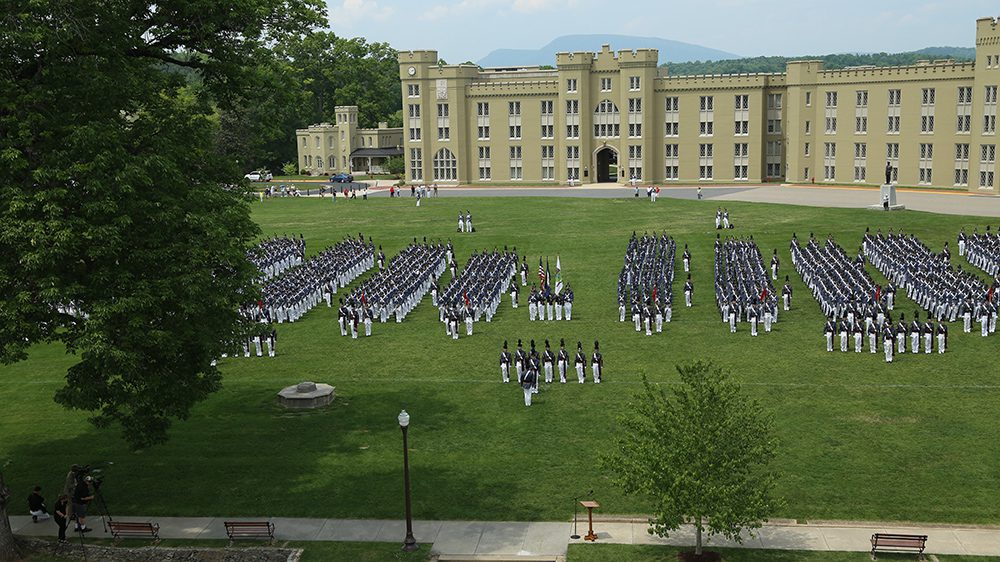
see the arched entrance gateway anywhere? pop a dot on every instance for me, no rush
(606, 164)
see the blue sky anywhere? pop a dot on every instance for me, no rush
(469, 29)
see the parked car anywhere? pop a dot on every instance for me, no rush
(341, 178)
(259, 175)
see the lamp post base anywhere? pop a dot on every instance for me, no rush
(575, 537)
(410, 544)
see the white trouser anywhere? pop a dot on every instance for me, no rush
(548, 372)
(505, 372)
(579, 372)
(562, 371)
(596, 368)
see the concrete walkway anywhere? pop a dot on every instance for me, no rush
(548, 540)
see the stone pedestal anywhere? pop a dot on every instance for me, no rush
(887, 193)
(306, 395)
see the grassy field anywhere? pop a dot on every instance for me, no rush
(636, 553)
(915, 440)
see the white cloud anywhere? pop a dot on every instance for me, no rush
(462, 7)
(352, 11)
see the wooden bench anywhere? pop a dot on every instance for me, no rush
(896, 543)
(249, 530)
(123, 529)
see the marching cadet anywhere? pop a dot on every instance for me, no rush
(942, 336)
(548, 307)
(732, 309)
(505, 364)
(890, 295)
(993, 315)
(468, 321)
(580, 361)
(646, 319)
(532, 304)
(873, 335)
(562, 361)
(752, 318)
(686, 257)
(658, 311)
(535, 364)
(858, 336)
(455, 321)
(367, 315)
(718, 218)
(524, 271)
(528, 383)
(557, 301)
(513, 295)
(342, 318)
(381, 258)
(725, 219)
(636, 316)
(548, 358)
(454, 269)
(468, 221)
(257, 345)
(843, 334)
(461, 222)
(520, 361)
(621, 308)
(966, 312)
(927, 331)
(774, 265)
(984, 318)
(887, 340)
(568, 302)
(786, 294)
(915, 333)
(540, 305)
(961, 243)
(828, 331)
(434, 294)
(901, 334)
(688, 291)
(597, 364)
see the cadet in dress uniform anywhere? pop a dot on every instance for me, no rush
(915, 333)
(548, 359)
(342, 318)
(733, 314)
(505, 360)
(636, 316)
(686, 257)
(513, 295)
(725, 218)
(272, 342)
(532, 304)
(557, 302)
(688, 291)
(984, 318)
(887, 341)
(927, 331)
(873, 335)
(597, 363)
(524, 271)
(843, 334)
(621, 308)
(752, 318)
(548, 307)
(774, 265)
(828, 330)
(966, 313)
(468, 321)
(367, 315)
(901, 334)
(528, 383)
(534, 363)
(579, 362)
(942, 336)
(468, 221)
(768, 314)
(520, 361)
(718, 218)
(658, 312)
(858, 336)
(647, 319)
(461, 222)
(562, 361)
(786, 294)
(568, 302)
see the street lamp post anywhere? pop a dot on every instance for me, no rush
(410, 543)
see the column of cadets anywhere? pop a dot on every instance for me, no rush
(477, 291)
(274, 256)
(396, 289)
(982, 251)
(840, 284)
(289, 296)
(743, 289)
(929, 280)
(645, 284)
(530, 366)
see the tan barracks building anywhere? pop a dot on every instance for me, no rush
(607, 116)
(329, 148)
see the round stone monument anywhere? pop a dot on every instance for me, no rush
(306, 395)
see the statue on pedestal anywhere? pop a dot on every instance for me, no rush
(888, 173)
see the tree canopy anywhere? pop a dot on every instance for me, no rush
(121, 237)
(700, 451)
(830, 62)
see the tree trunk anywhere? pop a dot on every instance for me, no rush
(8, 548)
(697, 534)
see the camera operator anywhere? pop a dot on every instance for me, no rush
(83, 493)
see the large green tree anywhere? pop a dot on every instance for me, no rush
(8, 548)
(700, 451)
(120, 236)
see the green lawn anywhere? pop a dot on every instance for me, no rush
(645, 553)
(915, 440)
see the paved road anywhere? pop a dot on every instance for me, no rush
(550, 539)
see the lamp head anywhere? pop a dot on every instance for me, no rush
(404, 419)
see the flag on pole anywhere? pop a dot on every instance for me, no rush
(541, 273)
(559, 283)
(465, 295)
(654, 293)
(548, 287)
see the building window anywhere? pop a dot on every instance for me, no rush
(706, 116)
(705, 162)
(443, 122)
(892, 123)
(416, 164)
(962, 164)
(445, 167)
(773, 153)
(305, 142)
(829, 161)
(485, 168)
(990, 111)
(413, 90)
(635, 117)
(605, 84)
(964, 109)
(607, 120)
(672, 117)
(809, 101)
(548, 120)
(672, 162)
(987, 165)
(332, 162)
(892, 155)
(571, 85)
(413, 110)
(514, 120)
(860, 161)
(548, 162)
(741, 115)
(831, 113)
(572, 162)
(633, 83)
(806, 151)
(483, 120)
(741, 161)
(635, 162)
(516, 166)
(808, 127)
(572, 119)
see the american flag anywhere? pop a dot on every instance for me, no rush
(541, 272)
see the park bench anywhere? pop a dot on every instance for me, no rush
(896, 542)
(122, 529)
(249, 530)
